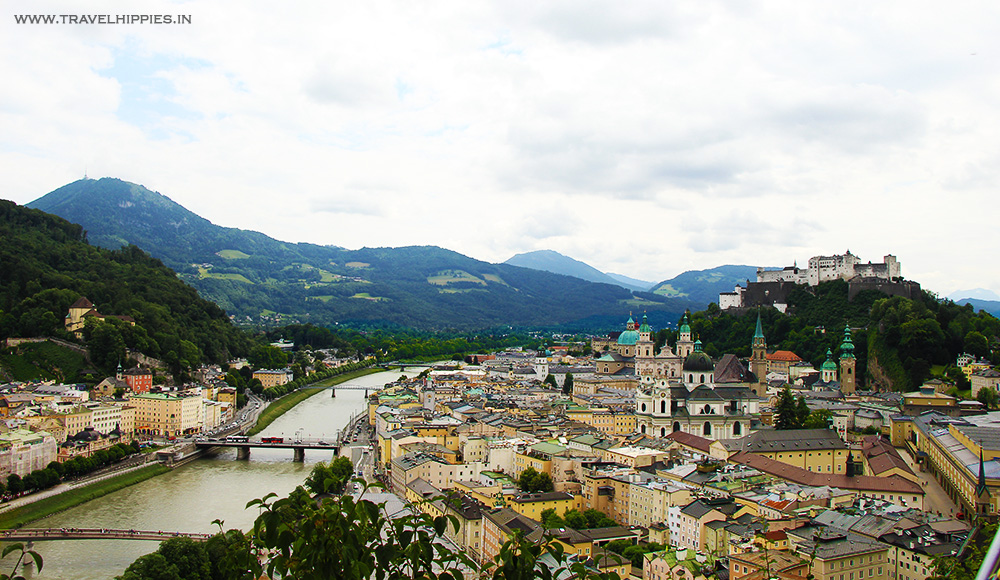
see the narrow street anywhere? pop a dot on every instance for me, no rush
(936, 500)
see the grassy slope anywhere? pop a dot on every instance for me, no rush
(45, 507)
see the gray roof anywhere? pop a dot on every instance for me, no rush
(793, 440)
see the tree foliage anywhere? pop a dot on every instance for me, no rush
(532, 481)
(48, 265)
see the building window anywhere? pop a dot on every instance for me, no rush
(707, 429)
(737, 428)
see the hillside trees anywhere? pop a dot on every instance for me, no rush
(48, 265)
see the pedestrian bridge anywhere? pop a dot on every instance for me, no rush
(40, 534)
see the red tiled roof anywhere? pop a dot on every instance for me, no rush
(82, 303)
(690, 440)
(893, 483)
(784, 355)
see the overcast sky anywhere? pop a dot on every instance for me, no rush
(644, 138)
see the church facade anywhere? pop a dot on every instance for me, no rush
(682, 389)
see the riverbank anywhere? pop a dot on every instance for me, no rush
(281, 406)
(47, 506)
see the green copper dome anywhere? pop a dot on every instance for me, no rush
(698, 361)
(828, 364)
(684, 324)
(630, 336)
(645, 325)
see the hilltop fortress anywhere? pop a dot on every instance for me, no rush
(773, 286)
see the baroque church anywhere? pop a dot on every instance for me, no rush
(682, 389)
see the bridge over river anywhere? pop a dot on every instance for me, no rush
(243, 447)
(39, 534)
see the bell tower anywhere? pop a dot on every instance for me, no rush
(848, 379)
(758, 354)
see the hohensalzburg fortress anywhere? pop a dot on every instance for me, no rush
(772, 286)
(826, 268)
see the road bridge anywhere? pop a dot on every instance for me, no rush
(298, 446)
(40, 534)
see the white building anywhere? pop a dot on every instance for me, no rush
(23, 451)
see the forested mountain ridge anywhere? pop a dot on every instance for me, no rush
(47, 265)
(264, 281)
(704, 286)
(898, 342)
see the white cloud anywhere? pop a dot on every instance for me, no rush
(645, 138)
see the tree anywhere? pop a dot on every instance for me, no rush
(190, 558)
(567, 387)
(818, 419)
(15, 484)
(802, 413)
(550, 380)
(330, 478)
(532, 481)
(785, 411)
(552, 520)
(989, 398)
(153, 566)
(976, 344)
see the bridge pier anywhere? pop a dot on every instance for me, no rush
(300, 455)
(243, 452)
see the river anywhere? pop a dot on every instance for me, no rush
(188, 498)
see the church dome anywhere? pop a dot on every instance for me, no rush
(628, 338)
(698, 361)
(828, 364)
(631, 336)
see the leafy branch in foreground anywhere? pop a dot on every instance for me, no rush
(313, 537)
(9, 549)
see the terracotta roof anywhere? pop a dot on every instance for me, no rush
(784, 355)
(82, 303)
(893, 483)
(690, 440)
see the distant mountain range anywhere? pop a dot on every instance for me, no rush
(550, 261)
(991, 306)
(265, 281)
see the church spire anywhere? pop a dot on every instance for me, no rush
(759, 333)
(981, 486)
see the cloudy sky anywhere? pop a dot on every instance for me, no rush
(644, 138)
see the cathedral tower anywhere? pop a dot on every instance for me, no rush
(685, 345)
(848, 380)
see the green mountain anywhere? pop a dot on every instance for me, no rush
(48, 265)
(704, 286)
(264, 281)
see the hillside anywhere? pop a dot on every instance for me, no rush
(48, 265)
(550, 261)
(267, 282)
(704, 286)
(898, 341)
